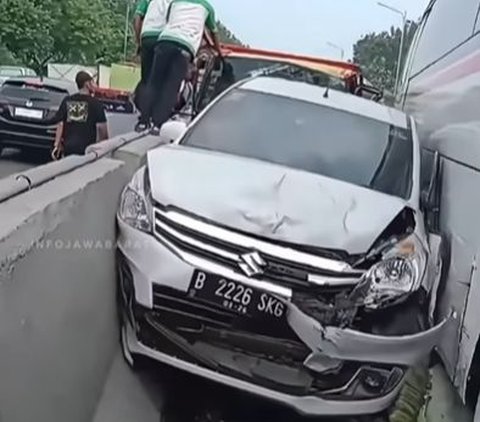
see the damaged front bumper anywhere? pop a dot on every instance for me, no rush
(317, 370)
(339, 344)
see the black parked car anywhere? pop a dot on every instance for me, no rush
(27, 110)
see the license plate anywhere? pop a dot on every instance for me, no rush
(235, 296)
(27, 112)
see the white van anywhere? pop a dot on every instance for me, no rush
(441, 88)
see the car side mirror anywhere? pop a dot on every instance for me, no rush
(427, 196)
(426, 201)
(430, 195)
(172, 130)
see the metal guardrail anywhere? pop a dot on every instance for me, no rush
(101, 149)
(19, 183)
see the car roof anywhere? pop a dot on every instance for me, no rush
(334, 68)
(13, 67)
(314, 94)
(56, 83)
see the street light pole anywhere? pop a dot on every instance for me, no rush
(402, 41)
(127, 24)
(337, 47)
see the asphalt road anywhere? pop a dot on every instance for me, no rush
(13, 161)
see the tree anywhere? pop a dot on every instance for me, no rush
(25, 30)
(377, 54)
(39, 31)
(6, 57)
(226, 36)
(35, 32)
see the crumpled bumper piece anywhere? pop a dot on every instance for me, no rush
(347, 344)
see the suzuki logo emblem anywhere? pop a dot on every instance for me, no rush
(252, 264)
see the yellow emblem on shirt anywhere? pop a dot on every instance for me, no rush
(77, 111)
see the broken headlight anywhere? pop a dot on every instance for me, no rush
(399, 273)
(134, 206)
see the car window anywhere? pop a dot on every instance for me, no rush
(10, 72)
(447, 25)
(242, 68)
(406, 71)
(39, 93)
(309, 137)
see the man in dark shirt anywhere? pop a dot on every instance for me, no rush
(82, 120)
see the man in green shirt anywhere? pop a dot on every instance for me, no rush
(178, 45)
(150, 19)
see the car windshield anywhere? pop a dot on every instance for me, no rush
(308, 137)
(33, 92)
(242, 67)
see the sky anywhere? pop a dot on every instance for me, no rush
(309, 26)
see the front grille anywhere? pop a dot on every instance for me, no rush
(181, 312)
(293, 273)
(189, 311)
(267, 341)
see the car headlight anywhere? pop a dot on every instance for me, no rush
(133, 210)
(134, 207)
(399, 273)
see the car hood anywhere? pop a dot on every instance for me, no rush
(269, 200)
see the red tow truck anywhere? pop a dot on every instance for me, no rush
(116, 100)
(241, 62)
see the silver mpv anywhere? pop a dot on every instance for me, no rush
(279, 247)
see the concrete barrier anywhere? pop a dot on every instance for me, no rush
(58, 333)
(57, 309)
(107, 148)
(18, 183)
(134, 154)
(135, 144)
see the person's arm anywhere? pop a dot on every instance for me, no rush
(137, 29)
(58, 136)
(102, 131)
(58, 144)
(216, 42)
(212, 30)
(140, 13)
(60, 118)
(102, 125)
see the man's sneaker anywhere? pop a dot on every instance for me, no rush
(141, 127)
(155, 131)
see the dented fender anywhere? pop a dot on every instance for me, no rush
(339, 344)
